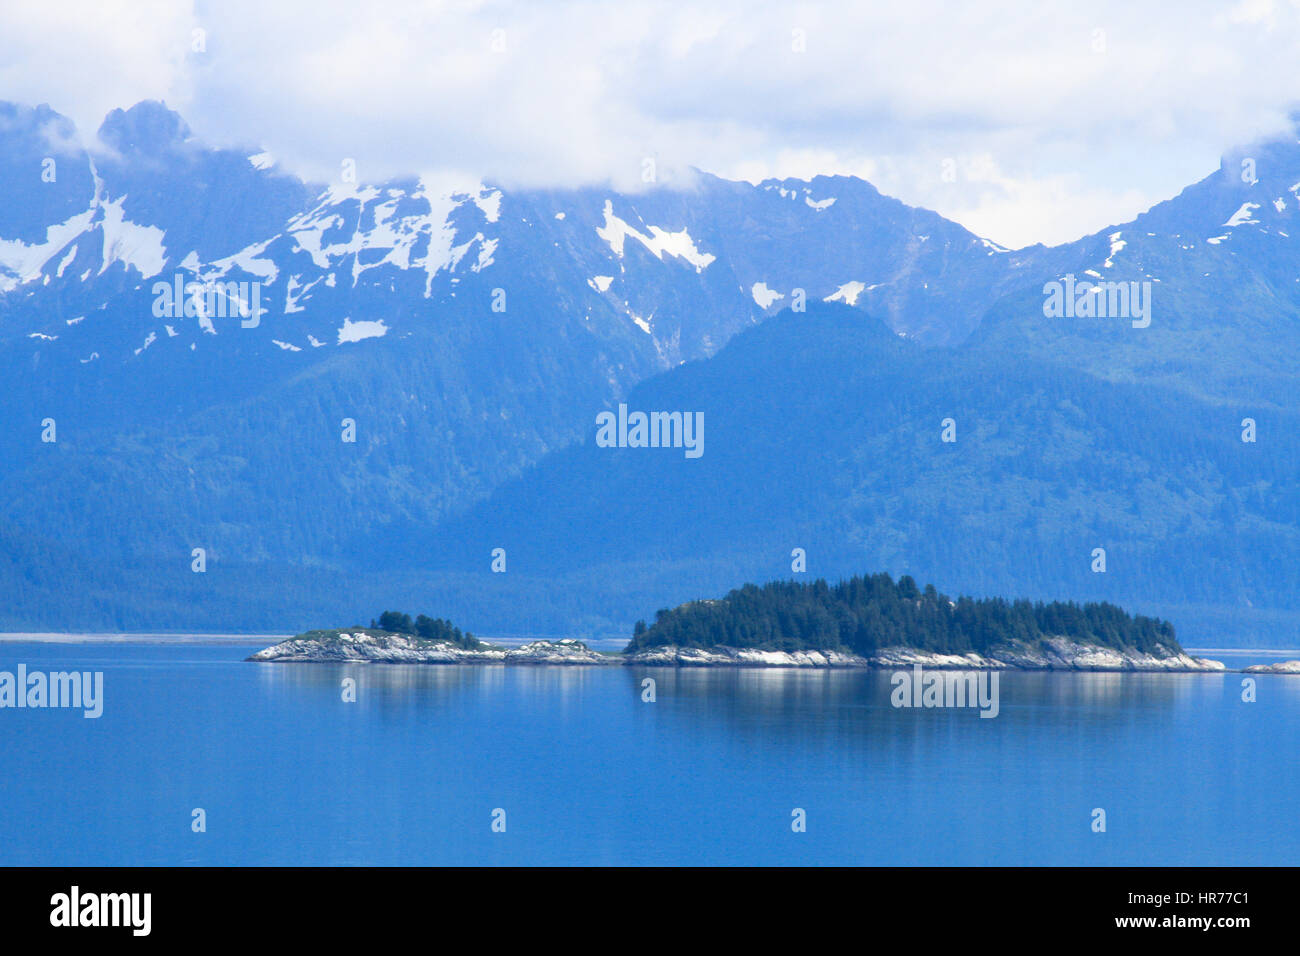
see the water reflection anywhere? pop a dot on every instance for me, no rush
(763, 691)
(432, 688)
(590, 772)
(847, 707)
(778, 690)
(826, 705)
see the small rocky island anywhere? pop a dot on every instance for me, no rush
(387, 647)
(866, 621)
(397, 639)
(1281, 667)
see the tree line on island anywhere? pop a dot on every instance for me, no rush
(859, 616)
(867, 613)
(426, 628)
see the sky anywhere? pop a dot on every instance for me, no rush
(1026, 120)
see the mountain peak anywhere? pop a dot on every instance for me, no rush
(146, 128)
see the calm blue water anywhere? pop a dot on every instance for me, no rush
(589, 774)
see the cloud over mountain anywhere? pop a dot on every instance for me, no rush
(1028, 128)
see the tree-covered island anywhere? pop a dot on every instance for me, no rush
(866, 621)
(868, 613)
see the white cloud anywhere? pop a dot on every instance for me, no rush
(1076, 117)
(87, 58)
(1017, 211)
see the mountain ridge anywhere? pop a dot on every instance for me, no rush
(197, 431)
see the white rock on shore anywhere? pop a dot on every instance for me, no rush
(908, 656)
(1056, 654)
(1053, 654)
(567, 651)
(1059, 653)
(1281, 667)
(378, 648)
(741, 657)
(387, 648)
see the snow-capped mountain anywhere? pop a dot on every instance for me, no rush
(202, 329)
(1219, 268)
(146, 203)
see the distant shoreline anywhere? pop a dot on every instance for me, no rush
(147, 637)
(1273, 651)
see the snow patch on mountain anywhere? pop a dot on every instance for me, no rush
(67, 261)
(248, 260)
(426, 239)
(1243, 216)
(25, 262)
(363, 329)
(134, 245)
(489, 202)
(1116, 244)
(763, 296)
(847, 293)
(130, 243)
(486, 252)
(680, 245)
(293, 295)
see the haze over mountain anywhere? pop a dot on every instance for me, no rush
(472, 335)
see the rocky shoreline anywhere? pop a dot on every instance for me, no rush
(364, 646)
(1281, 667)
(1051, 654)
(386, 648)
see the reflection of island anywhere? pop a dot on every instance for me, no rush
(826, 704)
(394, 690)
(868, 621)
(800, 706)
